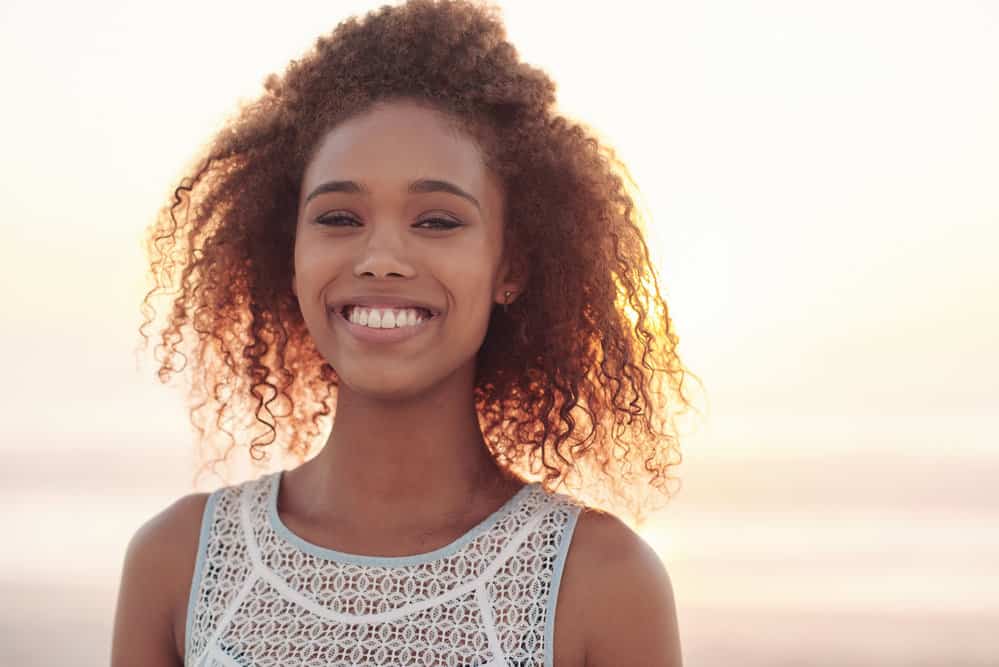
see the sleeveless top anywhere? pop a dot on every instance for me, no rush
(261, 595)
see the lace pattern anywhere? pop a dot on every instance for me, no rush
(263, 596)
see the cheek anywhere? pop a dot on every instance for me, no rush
(469, 276)
(315, 265)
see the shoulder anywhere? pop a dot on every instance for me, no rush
(622, 592)
(172, 535)
(159, 566)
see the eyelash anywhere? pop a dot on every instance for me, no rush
(326, 221)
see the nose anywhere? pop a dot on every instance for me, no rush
(384, 254)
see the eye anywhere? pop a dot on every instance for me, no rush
(333, 220)
(441, 223)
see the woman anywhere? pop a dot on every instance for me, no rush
(403, 228)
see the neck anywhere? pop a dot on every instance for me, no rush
(409, 463)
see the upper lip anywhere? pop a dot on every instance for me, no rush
(383, 301)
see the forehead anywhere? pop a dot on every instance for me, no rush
(398, 142)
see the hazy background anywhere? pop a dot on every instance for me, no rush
(822, 179)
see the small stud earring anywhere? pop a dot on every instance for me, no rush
(506, 300)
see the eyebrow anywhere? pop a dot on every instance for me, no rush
(420, 186)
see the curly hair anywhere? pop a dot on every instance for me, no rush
(578, 379)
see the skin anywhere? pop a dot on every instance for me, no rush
(405, 469)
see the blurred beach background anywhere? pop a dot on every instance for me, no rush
(822, 183)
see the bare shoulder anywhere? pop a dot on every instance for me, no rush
(623, 597)
(155, 583)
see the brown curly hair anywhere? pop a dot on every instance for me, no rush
(578, 376)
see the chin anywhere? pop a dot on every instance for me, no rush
(391, 386)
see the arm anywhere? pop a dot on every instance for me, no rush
(155, 580)
(630, 612)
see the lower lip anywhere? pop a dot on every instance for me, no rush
(394, 335)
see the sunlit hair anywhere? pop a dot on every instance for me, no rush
(579, 383)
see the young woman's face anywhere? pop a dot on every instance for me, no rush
(398, 210)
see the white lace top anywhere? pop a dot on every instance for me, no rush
(262, 596)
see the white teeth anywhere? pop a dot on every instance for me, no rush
(385, 318)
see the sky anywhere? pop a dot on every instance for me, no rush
(820, 180)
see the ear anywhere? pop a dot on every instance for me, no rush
(513, 276)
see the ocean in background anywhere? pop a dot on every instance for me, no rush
(814, 557)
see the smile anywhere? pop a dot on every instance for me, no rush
(383, 325)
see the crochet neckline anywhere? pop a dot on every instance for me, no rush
(386, 561)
